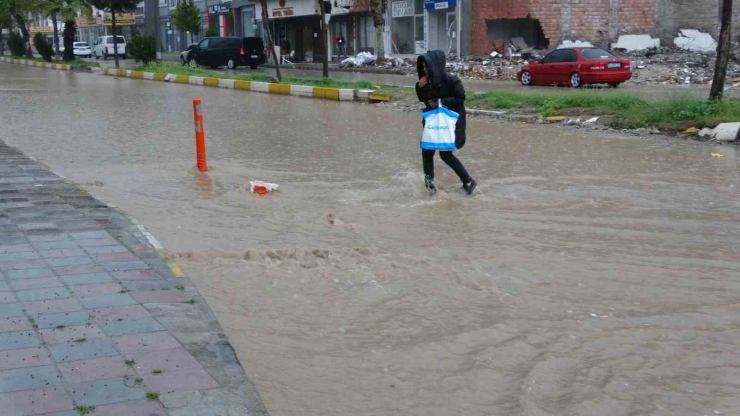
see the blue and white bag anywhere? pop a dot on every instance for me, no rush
(439, 129)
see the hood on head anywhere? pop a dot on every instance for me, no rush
(435, 61)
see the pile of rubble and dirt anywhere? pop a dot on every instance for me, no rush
(688, 61)
(671, 65)
(501, 65)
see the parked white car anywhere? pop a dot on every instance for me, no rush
(82, 49)
(104, 47)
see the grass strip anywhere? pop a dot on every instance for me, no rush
(626, 110)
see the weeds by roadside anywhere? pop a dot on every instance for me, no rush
(628, 110)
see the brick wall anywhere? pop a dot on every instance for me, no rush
(590, 20)
(697, 14)
(546, 11)
(637, 16)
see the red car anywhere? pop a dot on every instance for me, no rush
(576, 67)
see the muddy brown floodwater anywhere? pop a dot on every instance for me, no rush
(592, 274)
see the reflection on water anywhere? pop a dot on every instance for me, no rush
(591, 275)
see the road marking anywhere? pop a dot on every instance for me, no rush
(152, 240)
(176, 270)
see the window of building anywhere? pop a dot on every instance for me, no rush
(407, 27)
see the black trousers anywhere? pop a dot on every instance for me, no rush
(449, 158)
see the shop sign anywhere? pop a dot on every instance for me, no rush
(220, 9)
(41, 29)
(359, 6)
(439, 5)
(85, 21)
(402, 8)
(284, 12)
(122, 19)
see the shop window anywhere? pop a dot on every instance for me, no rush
(407, 26)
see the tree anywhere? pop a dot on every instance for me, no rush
(270, 43)
(67, 10)
(4, 22)
(19, 9)
(187, 17)
(724, 45)
(15, 44)
(115, 6)
(42, 46)
(143, 48)
(324, 41)
(70, 27)
(376, 9)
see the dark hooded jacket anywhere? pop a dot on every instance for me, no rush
(448, 88)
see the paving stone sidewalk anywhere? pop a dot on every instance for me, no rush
(92, 320)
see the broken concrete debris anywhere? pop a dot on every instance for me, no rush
(692, 62)
(631, 43)
(695, 41)
(672, 65)
(725, 132)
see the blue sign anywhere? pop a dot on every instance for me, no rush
(439, 5)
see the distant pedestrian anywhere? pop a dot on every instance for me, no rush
(435, 86)
(285, 46)
(341, 45)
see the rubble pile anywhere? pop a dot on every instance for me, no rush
(655, 65)
(501, 65)
(670, 65)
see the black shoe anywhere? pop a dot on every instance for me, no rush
(470, 187)
(429, 184)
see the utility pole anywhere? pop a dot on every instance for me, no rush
(325, 63)
(270, 42)
(723, 52)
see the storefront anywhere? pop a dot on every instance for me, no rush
(442, 25)
(223, 18)
(352, 20)
(297, 21)
(90, 29)
(407, 27)
(248, 22)
(87, 29)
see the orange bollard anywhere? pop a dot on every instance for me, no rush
(200, 136)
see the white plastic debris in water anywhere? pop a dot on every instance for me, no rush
(269, 187)
(592, 120)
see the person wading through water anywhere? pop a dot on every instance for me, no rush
(435, 85)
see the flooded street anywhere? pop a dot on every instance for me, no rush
(591, 274)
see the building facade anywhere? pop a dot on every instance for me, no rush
(546, 23)
(89, 29)
(412, 27)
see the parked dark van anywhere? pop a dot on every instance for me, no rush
(228, 51)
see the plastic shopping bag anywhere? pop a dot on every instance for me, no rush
(439, 129)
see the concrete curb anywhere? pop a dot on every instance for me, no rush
(63, 67)
(335, 94)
